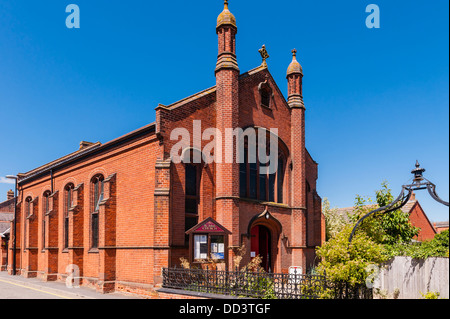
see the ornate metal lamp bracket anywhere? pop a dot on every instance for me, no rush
(419, 183)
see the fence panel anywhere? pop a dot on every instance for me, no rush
(414, 276)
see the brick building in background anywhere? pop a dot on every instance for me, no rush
(122, 210)
(417, 217)
(6, 216)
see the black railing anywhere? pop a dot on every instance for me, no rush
(260, 285)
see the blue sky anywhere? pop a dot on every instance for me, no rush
(377, 99)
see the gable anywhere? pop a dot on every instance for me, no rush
(419, 219)
(254, 113)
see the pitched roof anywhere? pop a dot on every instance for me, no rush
(408, 206)
(7, 206)
(6, 217)
(344, 212)
(81, 153)
(348, 210)
(4, 227)
(441, 224)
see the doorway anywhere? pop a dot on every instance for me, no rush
(261, 245)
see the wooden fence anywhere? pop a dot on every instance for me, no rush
(412, 277)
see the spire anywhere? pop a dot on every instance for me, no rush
(294, 67)
(226, 30)
(294, 77)
(226, 17)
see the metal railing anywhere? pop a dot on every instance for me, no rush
(260, 285)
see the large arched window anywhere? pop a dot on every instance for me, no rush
(68, 203)
(96, 199)
(254, 182)
(45, 211)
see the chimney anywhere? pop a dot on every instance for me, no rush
(413, 197)
(84, 144)
(9, 195)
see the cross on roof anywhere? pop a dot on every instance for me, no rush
(264, 54)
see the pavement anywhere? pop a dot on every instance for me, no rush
(17, 287)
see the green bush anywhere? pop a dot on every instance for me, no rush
(437, 247)
(347, 262)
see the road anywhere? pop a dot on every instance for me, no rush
(16, 287)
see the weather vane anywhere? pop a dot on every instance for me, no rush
(264, 54)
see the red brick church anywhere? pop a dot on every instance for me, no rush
(123, 210)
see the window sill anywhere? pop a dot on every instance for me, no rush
(93, 251)
(262, 202)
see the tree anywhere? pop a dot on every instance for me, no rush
(347, 262)
(396, 225)
(385, 228)
(334, 222)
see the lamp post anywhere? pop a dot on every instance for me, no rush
(15, 223)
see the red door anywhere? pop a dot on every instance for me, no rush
(260, 245)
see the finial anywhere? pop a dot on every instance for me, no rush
(294, 67)
(264, 54)
(226, 17)
(418, 172)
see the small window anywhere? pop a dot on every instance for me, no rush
(97, 198)
(243, 174)
(45, 211)
(94, 238)
(191, 198)
(265, 97)
(68, 205)
(265, 93)
(28, 207)
(27, 213)
(280, 179)
(98, 192)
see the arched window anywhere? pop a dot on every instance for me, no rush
(265, 92)
(191, 196)
(45, 211)
(254, 183)
(68, 203)
(280, 178)
(97, 198)
(27, 213)
(265, 97)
